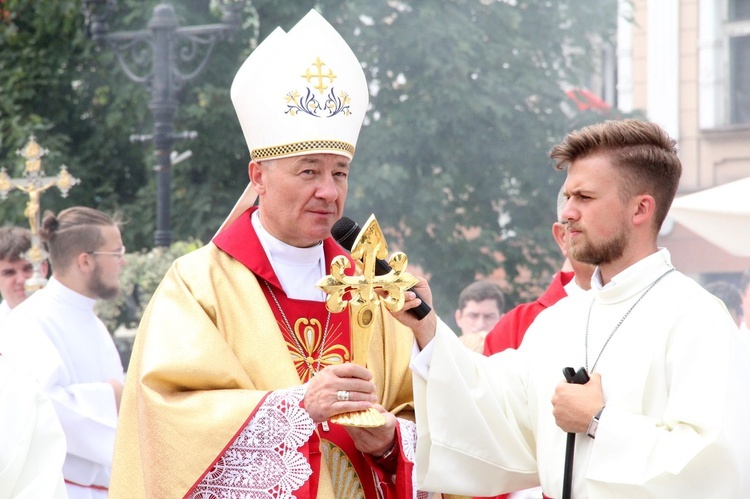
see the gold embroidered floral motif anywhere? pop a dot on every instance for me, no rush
(309, 333)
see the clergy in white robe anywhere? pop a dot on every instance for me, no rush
(32, 443)
(58, 338)
(674, 379)
(664, 414)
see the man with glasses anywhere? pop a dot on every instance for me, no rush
(58, 338)
(15, 269)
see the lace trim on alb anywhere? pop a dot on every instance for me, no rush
(409, 446)
(264, 461)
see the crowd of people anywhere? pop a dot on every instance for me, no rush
(242, 383)
(55, 335)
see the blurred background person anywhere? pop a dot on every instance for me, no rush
(480, 306)
(731, 296)
(14, 268)
(58, 338)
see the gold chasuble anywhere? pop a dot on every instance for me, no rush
(213, 402)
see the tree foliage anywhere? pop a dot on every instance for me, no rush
(466, 100)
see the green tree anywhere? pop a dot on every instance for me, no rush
(466, 101)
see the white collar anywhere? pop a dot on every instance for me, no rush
(596, 278)
(281, 252)
(57, 289)
(298, 269)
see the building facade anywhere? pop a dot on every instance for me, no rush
(686, 64)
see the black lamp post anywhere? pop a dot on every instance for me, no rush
(167, 43)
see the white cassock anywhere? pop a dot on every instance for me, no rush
(32, 442)
(58, 338)
(675, 380)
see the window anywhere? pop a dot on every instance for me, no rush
(739, 10)
(737, 30)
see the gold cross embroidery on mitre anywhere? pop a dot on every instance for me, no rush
(321, 86)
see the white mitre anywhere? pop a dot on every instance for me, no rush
(301, 92)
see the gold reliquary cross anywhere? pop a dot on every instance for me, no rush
(365, 291)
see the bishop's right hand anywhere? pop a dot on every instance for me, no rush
(338, 389)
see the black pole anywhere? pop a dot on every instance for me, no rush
(164, 34)
(163, 107)
(580, 377)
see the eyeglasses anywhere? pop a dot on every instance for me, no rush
(119, 252)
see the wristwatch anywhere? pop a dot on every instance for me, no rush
(594, 424)
(388, 456)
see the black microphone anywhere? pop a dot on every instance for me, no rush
(345, 232)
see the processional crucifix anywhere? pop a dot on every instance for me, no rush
(34, 183)
(369, 246)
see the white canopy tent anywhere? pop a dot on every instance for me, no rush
(721, 215)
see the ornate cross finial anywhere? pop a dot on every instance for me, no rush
(369, 247)
(362, 288)
(34, 183)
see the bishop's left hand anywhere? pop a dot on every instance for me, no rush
(575, 405)
(378, 440)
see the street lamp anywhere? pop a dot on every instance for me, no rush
(167, 43)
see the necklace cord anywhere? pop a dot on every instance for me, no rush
(588, 320)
